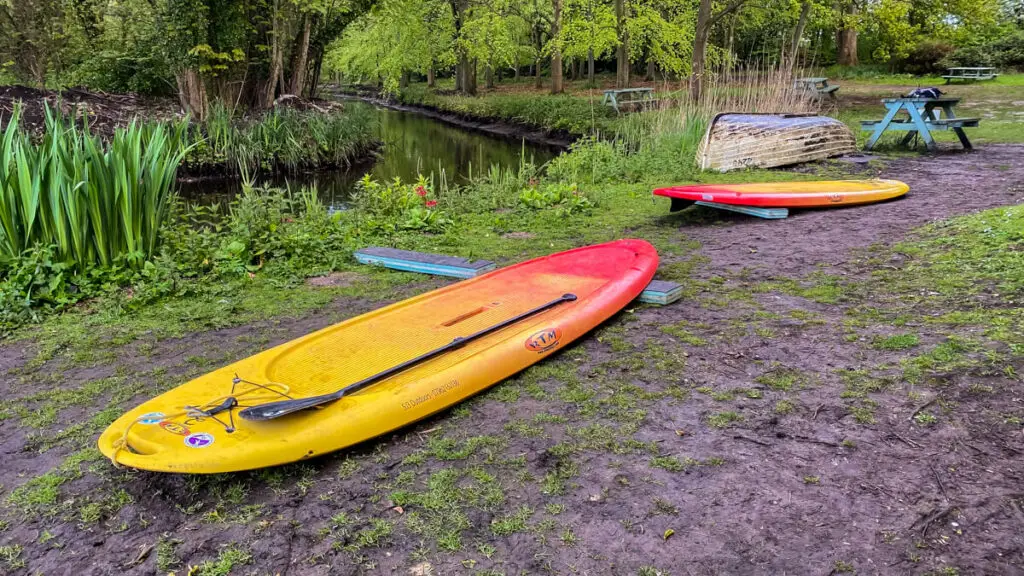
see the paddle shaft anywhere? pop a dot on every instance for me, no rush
(272, 410)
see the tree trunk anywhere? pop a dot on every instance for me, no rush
(301, 59)
(431, 78)
(650, 70)
(556, 52)
(590, 66)
(798, 33)
(269, 90)
(700, 48)
(622, 51)
(403, 80)
(488, 77)
(846, 38)
(192, 93)
(470, 83)
(537, 81)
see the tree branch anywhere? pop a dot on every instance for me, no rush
(732, 7)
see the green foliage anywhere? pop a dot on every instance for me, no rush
(892, 30)
(95, 203)
(926, 57)
(1006, 51)
(565, 199)
(279, 140)
(386, 208)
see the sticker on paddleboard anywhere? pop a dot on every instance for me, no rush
(835, 198)
(707, 197)
(199, 440)
(151, 418)
(544, 340)
(175, 428)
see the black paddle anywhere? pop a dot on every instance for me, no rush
(271, 410)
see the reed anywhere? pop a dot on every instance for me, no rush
(96, 203)
(285, 139)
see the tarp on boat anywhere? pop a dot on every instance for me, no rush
(737, 141)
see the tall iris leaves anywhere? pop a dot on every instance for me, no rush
(95, 203)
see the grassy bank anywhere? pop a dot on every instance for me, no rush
(279, 140)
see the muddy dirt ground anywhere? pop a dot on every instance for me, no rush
(743, 430)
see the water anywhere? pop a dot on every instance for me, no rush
(413, 145)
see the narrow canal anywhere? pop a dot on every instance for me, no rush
(413, 144)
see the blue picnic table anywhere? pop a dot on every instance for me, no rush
(923, 116)
(624, 98)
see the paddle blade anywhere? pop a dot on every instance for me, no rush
(272, 410)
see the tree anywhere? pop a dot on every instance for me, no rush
(661, 33)
(556, 50)
(622, 50)
(31, 36)
(894, 34)
(846, 35)
(706, 20)
(588, 31)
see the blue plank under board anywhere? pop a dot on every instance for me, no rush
(661, 292)
(769, 213)
(657, 292)
(409, 261)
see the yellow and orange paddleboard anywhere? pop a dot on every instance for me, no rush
(787, 194)
(197, 427)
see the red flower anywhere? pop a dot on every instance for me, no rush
(421, 191)
(431, 203)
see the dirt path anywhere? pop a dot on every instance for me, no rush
(745, 430)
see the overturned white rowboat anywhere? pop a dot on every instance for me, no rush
(737, 141)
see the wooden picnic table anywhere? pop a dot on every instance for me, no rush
(818, 85)
(628, 97)
(970, 73)
(923, 116)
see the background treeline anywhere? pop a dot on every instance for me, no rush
(246, 54)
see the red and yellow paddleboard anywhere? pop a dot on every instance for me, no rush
(787, 194)
(175, 432)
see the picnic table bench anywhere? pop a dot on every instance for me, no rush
(627, 98)
(818, 86)
(972, 74)
(923, 118)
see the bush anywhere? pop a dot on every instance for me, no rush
(976, 55)
(393, 206)
(926, 57)
(566, 199)
(1009, 50)
(1006, 52)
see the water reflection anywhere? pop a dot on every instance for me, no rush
(413, 145)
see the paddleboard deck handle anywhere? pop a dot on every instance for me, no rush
(271, 410)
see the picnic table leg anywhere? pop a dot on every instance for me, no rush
(922, 127)
(881, 126)
(910, 136)
(963, 138)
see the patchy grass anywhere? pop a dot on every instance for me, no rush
(895, 342)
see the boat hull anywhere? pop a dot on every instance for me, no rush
(737, 141)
